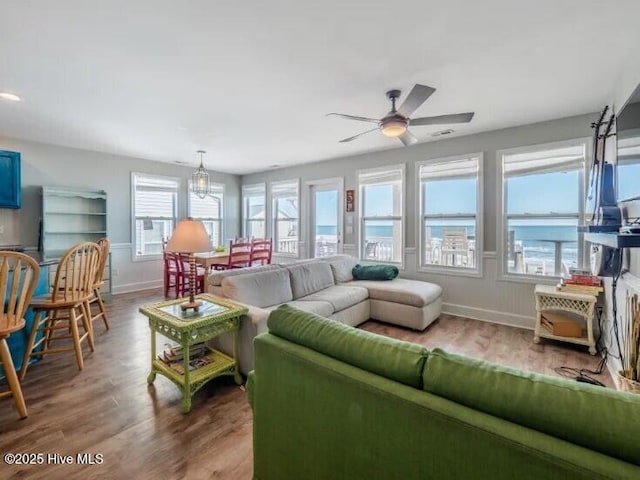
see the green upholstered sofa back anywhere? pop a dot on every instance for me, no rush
(394, 359)
(597, 418)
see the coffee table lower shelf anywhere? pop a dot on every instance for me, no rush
(193, 380)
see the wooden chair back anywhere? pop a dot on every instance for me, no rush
(239, 254)
(173, 262)
(76, 273)
(455, 239)
(105, 247)
(19, 275)
(261, 251)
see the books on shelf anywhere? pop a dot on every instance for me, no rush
(581, 282)
(173, 356)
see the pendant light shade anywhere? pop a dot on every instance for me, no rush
(200, 184)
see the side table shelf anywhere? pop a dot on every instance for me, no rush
(548, 299)
(217, 316)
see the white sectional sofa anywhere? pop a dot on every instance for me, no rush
(325, 287)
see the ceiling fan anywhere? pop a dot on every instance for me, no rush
(396, 122)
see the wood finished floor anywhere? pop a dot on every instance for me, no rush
(108, 409)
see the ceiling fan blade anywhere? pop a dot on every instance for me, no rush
(417, 96)
(354, 117)
(358, 135)
(443, 119)
(408, 138)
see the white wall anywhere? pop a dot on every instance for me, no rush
(44, 164)
(486, 298)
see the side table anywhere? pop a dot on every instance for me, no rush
(216, 316)
(582, 304)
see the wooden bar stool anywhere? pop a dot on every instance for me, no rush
(96, 298)
(19, 273)
(66, 307)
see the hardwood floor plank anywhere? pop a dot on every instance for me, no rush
(108, 408)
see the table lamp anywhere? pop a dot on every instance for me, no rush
(190, 237)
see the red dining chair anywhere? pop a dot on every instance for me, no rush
(172, 273)
(239, 255)
(261, 251)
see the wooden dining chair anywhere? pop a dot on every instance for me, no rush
(18, 279)
(172, 273)
(96, 298)
(261, 251)
(65, 308)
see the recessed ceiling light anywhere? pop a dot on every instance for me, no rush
(275, 165)
(181, 162)
(448, 131)
(10, 96)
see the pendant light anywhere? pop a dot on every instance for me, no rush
(200, 180)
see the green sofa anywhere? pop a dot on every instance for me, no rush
(333, 402)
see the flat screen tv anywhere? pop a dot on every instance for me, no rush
(628, 140)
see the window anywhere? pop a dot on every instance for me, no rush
(210, 210)
(450, 210)
(381, 207)
(155, 207)
(543, 203)
(285, 204)
(254, 210)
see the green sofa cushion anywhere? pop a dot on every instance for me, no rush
(601, 419)
(393, 359)
(374, 272)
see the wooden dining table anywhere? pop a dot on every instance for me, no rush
(211, 259)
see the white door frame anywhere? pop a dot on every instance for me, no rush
(312, 185)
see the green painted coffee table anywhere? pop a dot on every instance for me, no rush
(215, 317)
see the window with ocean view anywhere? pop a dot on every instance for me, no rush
(543, 190)
(254, 210)
(381, 207)
(209, 210)
(285, 207)
(449, 212)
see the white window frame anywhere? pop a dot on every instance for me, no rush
(479, 220)
(502, 223)
(220, 191)
(274, 217)
(142, 258)
(362, 219)
(245, 221)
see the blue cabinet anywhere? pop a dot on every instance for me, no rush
(10, 190)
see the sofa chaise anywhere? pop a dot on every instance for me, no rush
(331, 402)
(325, 287)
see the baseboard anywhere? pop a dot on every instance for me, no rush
(491, 316)
(136, 286)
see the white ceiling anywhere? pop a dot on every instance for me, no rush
(251, 81)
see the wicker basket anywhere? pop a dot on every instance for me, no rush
(627, 384)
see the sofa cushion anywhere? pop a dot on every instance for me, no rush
(401, 290)
(319, 307)
(341, 266)
(261, 289)
(597, 418)
(310, 277)
(340, 296)
(215, 278)
(390, 358)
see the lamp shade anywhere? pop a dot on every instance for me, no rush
(190, 236)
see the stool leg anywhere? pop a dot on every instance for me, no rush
(76, 338)
(103, 311)
(12, 378)
(32, 339)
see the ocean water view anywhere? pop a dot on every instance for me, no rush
(538, 241)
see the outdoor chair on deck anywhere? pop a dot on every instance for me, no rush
(455, 246)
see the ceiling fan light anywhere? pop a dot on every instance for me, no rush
(394, 128)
